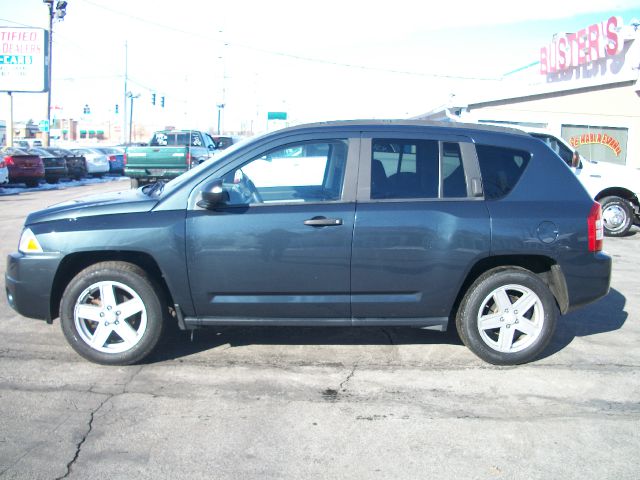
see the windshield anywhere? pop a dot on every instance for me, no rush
(185, 177)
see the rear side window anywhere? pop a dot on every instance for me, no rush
(454, 184)
(501, 169)
(404, 169)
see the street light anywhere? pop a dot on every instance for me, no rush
(57, 11)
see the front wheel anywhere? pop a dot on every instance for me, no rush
(507, 316)
(111, 313)
(617, 216)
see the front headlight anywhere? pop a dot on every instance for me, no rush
(29, 243)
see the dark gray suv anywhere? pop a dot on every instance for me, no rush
(398, 223)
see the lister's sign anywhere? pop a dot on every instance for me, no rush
(23, 54)
(590, 44)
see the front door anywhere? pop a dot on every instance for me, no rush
(280, 248)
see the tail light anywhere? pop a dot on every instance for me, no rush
(112, 158)
(2, 165)
(188, 159)
(124, 158)
(8, 160)
(595, 228)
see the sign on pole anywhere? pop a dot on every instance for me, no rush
(23, 59)
(276, 115)
(43, 126)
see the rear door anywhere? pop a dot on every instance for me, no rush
(420, 224)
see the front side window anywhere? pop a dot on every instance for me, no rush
(501, 168)
(298, 173)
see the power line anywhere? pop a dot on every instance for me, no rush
(289, 55)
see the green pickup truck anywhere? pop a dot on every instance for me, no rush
(169, 154)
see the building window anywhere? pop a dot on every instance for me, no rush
(602, 144)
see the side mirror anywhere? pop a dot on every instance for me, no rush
(211, 147)
(575, 161)
(213, 195)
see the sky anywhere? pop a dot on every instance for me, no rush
(313, 60)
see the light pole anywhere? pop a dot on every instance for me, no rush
(131, 96)
(58, 11)
(220, 107)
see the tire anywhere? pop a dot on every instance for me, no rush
(490, 325)
(97, 329)
(617, 216)
(135, 183)
(32, 183)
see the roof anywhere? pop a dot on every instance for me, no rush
(379, 124)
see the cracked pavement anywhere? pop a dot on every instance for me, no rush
(317, 403)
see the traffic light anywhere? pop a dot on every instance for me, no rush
(117, 108)
(162, 101)
(153, 99)
(86, 109)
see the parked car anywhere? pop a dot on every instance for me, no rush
(55, 166)
(169, 154)
(116, 158)
(97, 162)
(399, 223)
(76, 164)
(4, 172)
(23, 167)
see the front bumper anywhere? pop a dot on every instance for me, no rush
(29, 281)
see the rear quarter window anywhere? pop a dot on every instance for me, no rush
(501, 168)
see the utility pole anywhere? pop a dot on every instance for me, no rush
(9, 134)
(58, 11)
(124, 106)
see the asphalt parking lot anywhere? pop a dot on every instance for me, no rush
(293, 403)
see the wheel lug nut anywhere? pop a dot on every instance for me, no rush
(502, 319)
(508, 325)
(101, 314)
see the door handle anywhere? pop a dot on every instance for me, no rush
(323, 222)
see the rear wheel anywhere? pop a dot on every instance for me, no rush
(507, 316)
(617, 216)
(135, 183)
(32, 182)
(111, 313)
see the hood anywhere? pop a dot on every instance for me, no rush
(129, 201)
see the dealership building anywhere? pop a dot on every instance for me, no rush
(584, 87)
